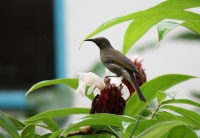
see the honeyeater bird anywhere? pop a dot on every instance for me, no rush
(117, 63)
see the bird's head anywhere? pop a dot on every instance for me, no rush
(101, 42)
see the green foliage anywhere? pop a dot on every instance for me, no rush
(50, 124)
(121, 126)
(144, 20)
(192, 25)
(70, 82)
(191, 115)
(149, 89)
(19, 125)
(159, 129)
(165, 121)
(164, 28)
(182, 132)
(161, 96)
(8, 125)
(28, 132)
(58, 113)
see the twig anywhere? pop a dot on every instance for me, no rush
(79, 133)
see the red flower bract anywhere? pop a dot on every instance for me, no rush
(110, 100)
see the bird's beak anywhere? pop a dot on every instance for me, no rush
(89, 40)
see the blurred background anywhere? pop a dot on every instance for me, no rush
(40, 41)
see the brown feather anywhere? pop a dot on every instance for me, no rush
(122, 61)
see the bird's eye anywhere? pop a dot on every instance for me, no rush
(100, 43)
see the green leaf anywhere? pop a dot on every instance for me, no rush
(193, 26)
(146, 112)
(181, 132)
(172, 95)
(142, 126)
(136, 30)
(45, 135)
(19, 125)
(72, 82)
(36, 136)
(97, 136)
(8, 125)
(99, 119)
(104, 131)
(187, 121)
(51, 125)
(177, 4)
(169, 9)
(164, 28)
(28, 132)
(161, 96)
(158, 130)
(165, 116)
(149, 18)
(56, 133)
(58, 113)
(134, 106)
(125, 123)
(191, 115)
(116, 130)
(181, 101)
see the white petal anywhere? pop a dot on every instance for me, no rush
(90, 89)
(80, 91)
(91, 79)
(96, 91)
(100, 85)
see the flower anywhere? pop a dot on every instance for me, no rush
(138, 63)
(141, 79)
(109, 100)
(88, 79)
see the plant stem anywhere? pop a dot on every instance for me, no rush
(155, 112)
(136, 124)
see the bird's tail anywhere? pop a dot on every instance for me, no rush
(136, 87)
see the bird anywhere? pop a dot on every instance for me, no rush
(117, 63)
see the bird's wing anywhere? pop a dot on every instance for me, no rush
(122, 61)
